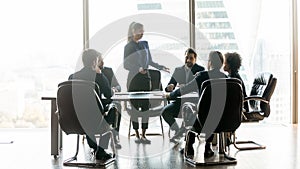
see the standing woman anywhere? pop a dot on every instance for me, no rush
(137, 58)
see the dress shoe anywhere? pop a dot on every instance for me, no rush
(137, 140)
(118, 145)
(208, 152)
(103, 156)
(144, 140)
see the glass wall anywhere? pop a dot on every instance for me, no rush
(39, 41)
(260, 32)
(166, 30)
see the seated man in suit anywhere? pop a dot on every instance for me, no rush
(116, 87)
(91, 72)
(181, 76)
(215, 63)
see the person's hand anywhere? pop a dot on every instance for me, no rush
(115, 89)
(97, 69)
(142, 70)
(197, 74)
(170, 87)
(166, 69)
(167, 96)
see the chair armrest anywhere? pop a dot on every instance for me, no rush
(258, 98)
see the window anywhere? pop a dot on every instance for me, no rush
(210, 4)
(257, 31)
(108, 33)
(212, 14)
(40, 44)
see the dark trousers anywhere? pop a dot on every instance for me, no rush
(109, 119)
(112, 114)
(171, 111)
(118, 119)
(139, 82)
(103, 141)
(197, 127)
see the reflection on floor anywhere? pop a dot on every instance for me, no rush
(31, 149)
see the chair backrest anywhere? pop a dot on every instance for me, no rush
(220, 105)
(260, 83)
(264, 85)
(155, 80)
(79, 107)
(156, 85)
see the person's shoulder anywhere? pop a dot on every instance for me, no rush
(78, 73)
(201, 68)
(70, 77)
(144, 42)
(179, 67)
(203, 72)
(128, 44)
(222, 74)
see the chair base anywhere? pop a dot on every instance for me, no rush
(218, 159)
(256, 147)
(98, 163)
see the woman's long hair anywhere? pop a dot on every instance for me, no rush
(132, 27)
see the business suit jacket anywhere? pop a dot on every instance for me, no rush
(179, 75)
(195, 84)
(112, 80)
(87, 73)
(138, 55)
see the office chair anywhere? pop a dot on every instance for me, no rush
(155, 105)
(219, 111)
(80, 112)
(259, 100)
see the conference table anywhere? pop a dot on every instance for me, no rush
(56, 132)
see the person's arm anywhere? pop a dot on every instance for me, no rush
(151, 62)
(172, 83)
(188, 88)
(114, 82)
(103, 83)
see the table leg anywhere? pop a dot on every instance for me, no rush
(55, 131)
